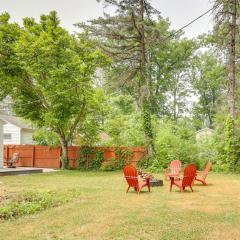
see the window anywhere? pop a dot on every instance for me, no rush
(7, 136)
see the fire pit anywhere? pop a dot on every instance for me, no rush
(156, 182)
(153, 181)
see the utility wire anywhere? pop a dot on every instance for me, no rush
(197, 18)
(170, 36)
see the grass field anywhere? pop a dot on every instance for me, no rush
(101, 209)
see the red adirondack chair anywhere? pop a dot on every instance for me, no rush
(175, 168)
(188, 178)
(204, 175)
(134, 180)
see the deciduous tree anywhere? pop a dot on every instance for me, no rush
(54, 87)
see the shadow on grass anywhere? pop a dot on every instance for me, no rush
(185, 191)
(201, 185)
(142, 192)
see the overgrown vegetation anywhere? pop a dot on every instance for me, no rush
(90, 158)
(122, 158)
(32, 202)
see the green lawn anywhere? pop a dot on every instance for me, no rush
(101, 209)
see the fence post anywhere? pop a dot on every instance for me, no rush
(60, 156)
(33, 156)
(7, 154)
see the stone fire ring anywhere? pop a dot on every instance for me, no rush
(156, 182)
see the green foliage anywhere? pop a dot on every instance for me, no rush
(53, 83)
(109, 165)
(90, 159)
(174, 140)
(127, 38)
(88, 131)
(98, 159)
(122, 158)
(147, 125)
(232, 145)
(224, 147)
(50, 74)
(207, 151)
(124, 130)
(46, 138)
(9, 68)
(170, 69)
(29, 203)
(208, 79)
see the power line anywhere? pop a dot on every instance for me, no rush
(190, 23)
(195, 19)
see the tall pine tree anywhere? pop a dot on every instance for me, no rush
(127, 38)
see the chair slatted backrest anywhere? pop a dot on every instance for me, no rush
(189, 175)
(131, 175)
(206, 171)
(175, 166)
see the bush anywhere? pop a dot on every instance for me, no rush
(122, 158)
(110, 165)
(174, 141)
(207, 152)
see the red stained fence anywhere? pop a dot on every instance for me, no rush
(46, 157)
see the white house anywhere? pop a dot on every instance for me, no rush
(15, 131)
(1, 143)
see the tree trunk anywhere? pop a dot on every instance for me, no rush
(232, 76)
(175, 104)
(64, 156)
(147, 122)
(232, 61)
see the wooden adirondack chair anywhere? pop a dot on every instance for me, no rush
(12, 162)
(204, 175)
(188, 178)
(134, 180)
(175, 168)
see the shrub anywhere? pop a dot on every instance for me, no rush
(122, 158)
(110, 165)
(174, 141)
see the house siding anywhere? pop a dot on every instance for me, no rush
(1, 143)
(26, 136)
(15, 133)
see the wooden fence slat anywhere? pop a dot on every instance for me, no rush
(33, 156)
(44, 156)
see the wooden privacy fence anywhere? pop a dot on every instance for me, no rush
(47, 157)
